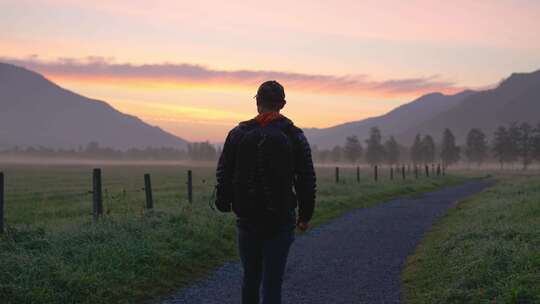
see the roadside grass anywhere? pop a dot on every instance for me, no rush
(486, 250)
(53, 253)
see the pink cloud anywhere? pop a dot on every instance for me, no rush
(185, 73)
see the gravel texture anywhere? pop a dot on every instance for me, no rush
(356, 258)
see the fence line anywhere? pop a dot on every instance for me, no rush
(190, 186)
(148, 191)
(97, 195)
(97, 187)
(1, 202)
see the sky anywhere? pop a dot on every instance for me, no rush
(193, 67)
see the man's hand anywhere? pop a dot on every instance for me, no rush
(303, 226)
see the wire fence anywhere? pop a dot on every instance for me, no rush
(74, 195)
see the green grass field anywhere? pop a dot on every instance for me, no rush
(54, 253)
(486, 250)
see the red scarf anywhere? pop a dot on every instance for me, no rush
(264, 119)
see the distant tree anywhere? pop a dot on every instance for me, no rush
(416, 150)
(392, 151)
(92, 148)
(514, 133)
(315, 153)
(324, 155)
(502, 146)
(536, 150)
(353, 149)
(375, 149)
(336, 154)
(476, 148)
(525, 144)
(449, 150)
(428, 149)
(202, 151)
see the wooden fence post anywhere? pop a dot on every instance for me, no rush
(391, 173)
(190, 186)
(337, 175)
(416, 171)
(375, 173)
(438, 169)
(403, 172)
(1, 202)
(97, 194)
(358, 174)
(427, 170)
(148, 191)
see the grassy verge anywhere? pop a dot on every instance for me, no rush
(133, 254)
(486, 250)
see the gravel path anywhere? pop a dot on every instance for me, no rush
(357, 258)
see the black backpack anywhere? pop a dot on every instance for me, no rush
(264, 172)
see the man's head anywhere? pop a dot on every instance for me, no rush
(270, 97)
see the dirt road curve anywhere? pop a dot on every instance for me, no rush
(356, 258)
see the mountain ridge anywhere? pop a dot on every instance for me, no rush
(515, 99)
(38, 112)
(391, 123)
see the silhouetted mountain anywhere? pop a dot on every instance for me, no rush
(36, 112)
(516, 99)
(394, 122)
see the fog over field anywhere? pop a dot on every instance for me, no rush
(329, 151)
(48, 122)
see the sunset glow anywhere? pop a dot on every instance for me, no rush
(193, 68)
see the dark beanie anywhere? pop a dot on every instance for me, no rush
(270, 92)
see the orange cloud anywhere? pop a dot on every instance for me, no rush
(102, 70)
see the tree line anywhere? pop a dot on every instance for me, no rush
(93, 150)
(510, 144)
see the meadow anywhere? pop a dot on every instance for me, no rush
(486, 250)
(53, 252)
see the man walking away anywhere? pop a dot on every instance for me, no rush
(264, 172)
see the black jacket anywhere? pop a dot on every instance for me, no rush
(304, 179)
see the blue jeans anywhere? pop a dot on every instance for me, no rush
(263, 259)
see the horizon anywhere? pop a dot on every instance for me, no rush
(195, 78)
